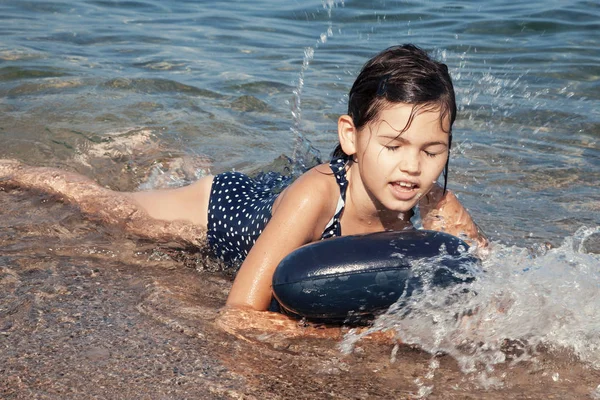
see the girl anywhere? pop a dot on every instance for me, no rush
(394, 143)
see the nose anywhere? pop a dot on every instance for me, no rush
(409, 163)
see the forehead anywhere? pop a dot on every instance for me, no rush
(400, 116)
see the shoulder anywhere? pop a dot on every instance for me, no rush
(320, 177)
(313, 195)
(314, 185)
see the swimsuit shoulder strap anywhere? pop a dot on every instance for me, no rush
(334, 228)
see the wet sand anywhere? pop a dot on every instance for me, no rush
(88, 313)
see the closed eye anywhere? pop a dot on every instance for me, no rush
(430, 154)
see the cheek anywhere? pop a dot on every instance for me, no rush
(375, 156)
(435, 166)
(441, 163)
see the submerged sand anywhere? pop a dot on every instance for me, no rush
(88, 313)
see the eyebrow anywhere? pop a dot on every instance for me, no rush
(402, 140)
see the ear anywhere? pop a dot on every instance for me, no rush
(347, 134)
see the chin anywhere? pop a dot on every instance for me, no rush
(405, 209)
(402, 207)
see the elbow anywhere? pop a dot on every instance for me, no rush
(238, 304)
(244, 298)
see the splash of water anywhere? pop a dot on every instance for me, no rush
(303, 150)
(526, 299)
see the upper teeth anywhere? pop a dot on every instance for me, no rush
(406, 184)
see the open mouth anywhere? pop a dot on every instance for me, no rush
(405, 186)
(404, 191)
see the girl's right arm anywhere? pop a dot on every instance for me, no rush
(296, 221)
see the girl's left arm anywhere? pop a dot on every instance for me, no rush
(443, 212)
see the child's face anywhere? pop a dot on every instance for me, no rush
(399, 169)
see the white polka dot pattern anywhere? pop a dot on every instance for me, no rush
(239, 209)
(338, 166)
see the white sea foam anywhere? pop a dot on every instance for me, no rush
(524, 298)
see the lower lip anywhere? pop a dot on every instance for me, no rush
(403, 193)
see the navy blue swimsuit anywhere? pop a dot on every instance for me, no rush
(240, 207)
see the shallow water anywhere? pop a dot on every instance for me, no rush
(149, 93)
(88, 313)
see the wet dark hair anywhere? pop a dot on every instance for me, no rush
(401, 74)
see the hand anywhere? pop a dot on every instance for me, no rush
(431, 206)
(443, 212)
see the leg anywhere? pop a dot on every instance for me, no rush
(185, 215)
(204, 185)
(188, 203)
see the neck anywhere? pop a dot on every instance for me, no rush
(394, 219)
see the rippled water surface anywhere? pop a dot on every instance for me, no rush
(141, 94)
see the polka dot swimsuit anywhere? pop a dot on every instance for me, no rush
(333, 227)
(240, 207)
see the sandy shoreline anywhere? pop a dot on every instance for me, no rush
(85, 315)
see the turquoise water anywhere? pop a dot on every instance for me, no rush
(131, 92)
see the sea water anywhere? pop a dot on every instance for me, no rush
(522, 300)
(149, 93)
